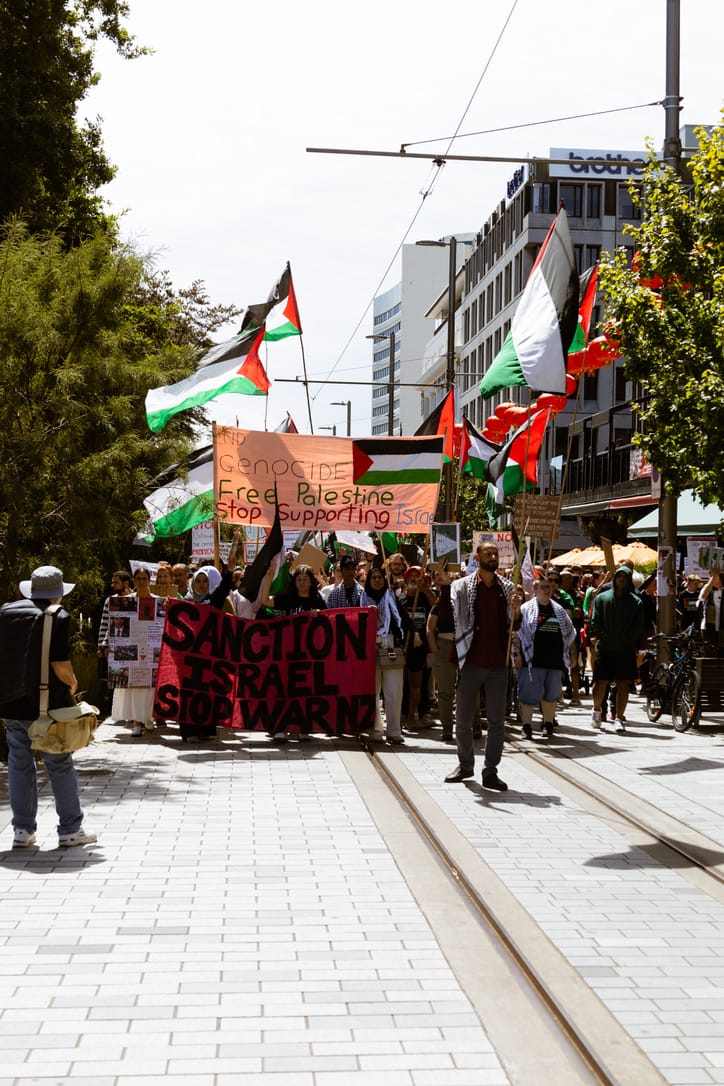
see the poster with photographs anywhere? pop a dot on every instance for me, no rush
(134, 639)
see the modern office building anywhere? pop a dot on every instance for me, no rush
(593, 186)
(401, 311)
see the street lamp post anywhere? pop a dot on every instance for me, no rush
(451, 243)
(390, 379)
(332, 428)
(348, 405)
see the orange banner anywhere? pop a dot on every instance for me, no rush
(386, 484)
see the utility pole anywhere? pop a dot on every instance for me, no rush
(450, 368)
(348, 405)
(390, 379)
(666, 613)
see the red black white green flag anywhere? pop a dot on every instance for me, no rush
(535, 350)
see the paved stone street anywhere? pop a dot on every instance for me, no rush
(242, 917)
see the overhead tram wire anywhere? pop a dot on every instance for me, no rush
(529, 124)
(424, 194)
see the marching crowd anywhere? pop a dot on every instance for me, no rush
(466, 648)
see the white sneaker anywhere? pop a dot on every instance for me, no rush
(619, 727)
(136, 730)
(23, 839)
(596, 719)
(80, 837)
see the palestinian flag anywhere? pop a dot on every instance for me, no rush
(180, 504)
(588, 288)
(233, 366)
(254, 316)
(475, 451)
(292, 326)
(270, 555)
(386, 461)
(535, 349)
(441, 420)
(287, 426)
(515, 466)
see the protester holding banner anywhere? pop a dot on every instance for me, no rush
(349, 592)
(208, 586)
(132, 704)
(121, 585)
(390, 655)
(302, 594)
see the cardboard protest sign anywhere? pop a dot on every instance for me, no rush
(379, 484)
(309, 672)
(312, 556)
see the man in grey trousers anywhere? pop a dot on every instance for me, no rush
(484, 605)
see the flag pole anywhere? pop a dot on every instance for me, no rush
(215, 520)
(564, 474)
(306, 382)
(266, 398)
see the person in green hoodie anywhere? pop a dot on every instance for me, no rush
(617, 624)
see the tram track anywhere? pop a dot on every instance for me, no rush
(584, 1024)
(690, 845)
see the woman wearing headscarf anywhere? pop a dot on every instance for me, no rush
(209, 588)
(389, 671)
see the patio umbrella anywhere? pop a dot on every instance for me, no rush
(635, 552)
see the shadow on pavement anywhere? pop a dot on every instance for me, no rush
(658, 854)
(52, 860)
(688, 765)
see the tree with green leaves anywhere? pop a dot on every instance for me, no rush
(667, 313)
(51, 167)
(83, 334)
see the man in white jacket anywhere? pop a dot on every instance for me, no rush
(546, 635)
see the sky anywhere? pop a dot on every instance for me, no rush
(209, 135)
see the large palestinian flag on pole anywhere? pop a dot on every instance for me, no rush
(292, 326)
(179, 504)
(535, 350)
(515, 466)
(233, 366)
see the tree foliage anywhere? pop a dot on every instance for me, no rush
(83, 334)
(673, 335)
(51, 167)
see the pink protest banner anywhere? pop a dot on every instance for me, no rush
(308, 672)
(327, 483)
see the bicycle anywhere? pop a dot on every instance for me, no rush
(667, 681)
(686, 702)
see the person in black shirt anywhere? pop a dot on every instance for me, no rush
(546, 635)
(21, 638)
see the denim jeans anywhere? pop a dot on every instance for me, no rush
(495, 682)
(23, 782)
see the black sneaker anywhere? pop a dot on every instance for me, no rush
(548, 731)
(492, 780)
(528, 731)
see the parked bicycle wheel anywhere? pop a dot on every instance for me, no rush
(655, 693)
(686, 706)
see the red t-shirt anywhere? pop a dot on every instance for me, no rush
(489, 645)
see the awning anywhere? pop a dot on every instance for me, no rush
(692, 518)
